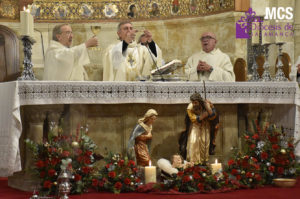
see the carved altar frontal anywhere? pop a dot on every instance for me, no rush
(42, 92)
(112, 108)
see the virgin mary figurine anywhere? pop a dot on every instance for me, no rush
(140, 139)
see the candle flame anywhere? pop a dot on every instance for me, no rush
(149, 163)
(216, 161)
(24, 8)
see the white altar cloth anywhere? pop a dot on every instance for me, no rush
(19, 93)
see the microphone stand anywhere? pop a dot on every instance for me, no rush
(160, 74)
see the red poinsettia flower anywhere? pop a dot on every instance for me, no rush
(280, 170)
(118, 185)
(107, 166)
(292, 155)
(78, 151)
(86, 170)
(238, 177)
(290, 145)
(101, 184)
(77, 177)
(257, 167)
(226, 181)
(87, 160)
(40, 164)
(54, 161)
(264, 155)
(273, 139)
(66, 153)
(234, 172)
(255, 136)
(203, 170)
(196, 176)
(51, 172)
(131, 163)
(271, 168)
(247, 137)
(112, 174)
(248, 174)
(88, 153)
(230, 162)
(275, 146)
(225, 174)
(180, 173)
(80, 159)
(245, 163)
(134, 169)
(42, 174)
(252, 146)
(254, 159)
(52, 150)
(121, 163)
(95, 182)
(200, 186)
(186, 179)
(127, 181)
(257, 177)
(137, 180)
(47, 184)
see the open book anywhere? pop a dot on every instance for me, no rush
(167, 68)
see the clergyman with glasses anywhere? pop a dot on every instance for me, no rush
(63, 62)
(210, 64)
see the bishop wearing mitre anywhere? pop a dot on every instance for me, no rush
(127, 60)
(63, 62)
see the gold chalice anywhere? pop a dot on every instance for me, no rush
(96, 31)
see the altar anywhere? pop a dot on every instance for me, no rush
(110, 110)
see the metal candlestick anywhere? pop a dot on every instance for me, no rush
(280, 75)
(27, 73)
(266, 77)
(64, 186)
(255, 76)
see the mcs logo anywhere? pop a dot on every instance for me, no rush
(279, 13)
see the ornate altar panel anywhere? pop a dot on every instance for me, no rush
(141, 95)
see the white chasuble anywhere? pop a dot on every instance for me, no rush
(65, 64)
(222, 67)
(130, 65)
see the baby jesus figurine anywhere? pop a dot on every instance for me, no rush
(172, 168)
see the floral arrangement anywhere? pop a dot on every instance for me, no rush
(119, 175)
(198, 179)
(73, 153)
(269, 154)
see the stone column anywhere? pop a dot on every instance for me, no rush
(297, 29)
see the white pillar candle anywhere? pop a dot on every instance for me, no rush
(216, 167)
(150, 173)
(26, 22)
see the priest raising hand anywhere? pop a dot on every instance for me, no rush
(127, 60)
(63, 62)
(148, 36)
(92, 42)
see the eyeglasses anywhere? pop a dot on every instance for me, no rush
(206, 38)
(67, 32)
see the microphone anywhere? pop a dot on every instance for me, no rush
(160, 74)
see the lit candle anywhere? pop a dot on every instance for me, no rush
(150, 173)
(216, 167)
(26, 22)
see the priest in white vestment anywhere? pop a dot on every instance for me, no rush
(63, 62)
(210, 64)
(127, 60)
